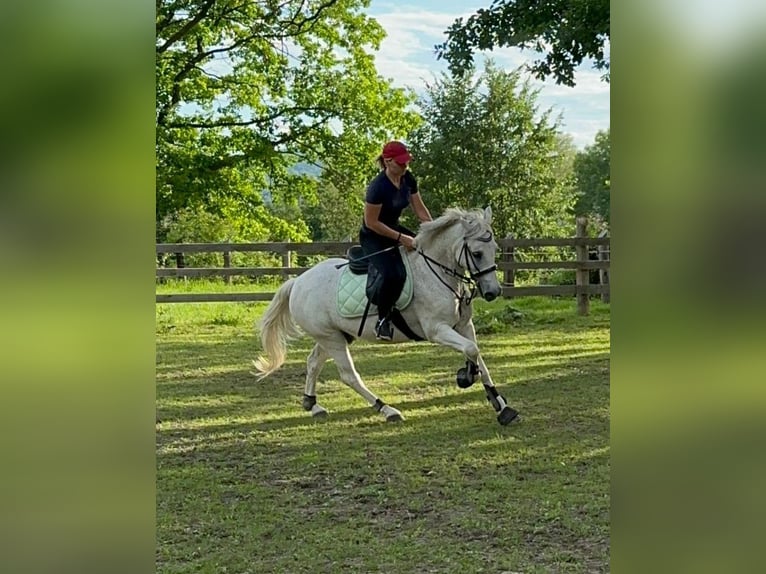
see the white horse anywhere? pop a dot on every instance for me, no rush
(440, 309)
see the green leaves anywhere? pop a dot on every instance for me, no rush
(247, 90)
(483, 143)
(592, 169)
(566, 31)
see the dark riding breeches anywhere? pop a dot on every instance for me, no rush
(389, 265)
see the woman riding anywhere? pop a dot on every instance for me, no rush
(388, 194)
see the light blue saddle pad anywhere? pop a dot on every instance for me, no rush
(352, 299)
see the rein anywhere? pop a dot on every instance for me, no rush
(470, 281)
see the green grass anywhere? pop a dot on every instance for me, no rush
(248, 482)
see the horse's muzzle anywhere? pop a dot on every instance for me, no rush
(490, 295)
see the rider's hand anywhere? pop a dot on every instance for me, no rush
(407, 241)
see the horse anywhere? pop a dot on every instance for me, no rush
(440, 310)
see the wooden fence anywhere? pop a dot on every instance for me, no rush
(592, 253)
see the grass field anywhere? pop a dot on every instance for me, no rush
(247, 482)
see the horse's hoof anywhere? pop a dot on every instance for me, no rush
(318, 412)
(395, 418)
(507, 415)
(463, 381)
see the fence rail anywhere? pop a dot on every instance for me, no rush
(340, 247)
(508, 263)
(316, 248)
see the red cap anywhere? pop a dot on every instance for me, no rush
(397, 151)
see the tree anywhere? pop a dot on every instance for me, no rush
(483, 143)
(336, 216)
(591, 168)
(567, 31)
(245, 90)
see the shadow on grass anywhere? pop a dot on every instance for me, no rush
(571, 409)
(230, 447)
(207, 379)
(206, 399)
(236, 352)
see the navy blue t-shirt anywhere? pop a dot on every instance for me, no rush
(383, 192)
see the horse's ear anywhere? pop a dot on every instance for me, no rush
(488, 214)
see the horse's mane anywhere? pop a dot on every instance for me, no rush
(430, 230)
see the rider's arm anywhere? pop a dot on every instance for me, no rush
(371, 215)
(420, 208)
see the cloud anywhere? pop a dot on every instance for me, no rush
(432, 24)
(407, 53)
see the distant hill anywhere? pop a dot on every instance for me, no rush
(300, 168)
(309, 169)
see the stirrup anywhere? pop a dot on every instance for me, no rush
(384, 331)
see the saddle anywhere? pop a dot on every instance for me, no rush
(360, 283)
(356, 295)
(357, 267)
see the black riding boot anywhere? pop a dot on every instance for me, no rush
(384, 331)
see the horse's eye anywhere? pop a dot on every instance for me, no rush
(476, 254)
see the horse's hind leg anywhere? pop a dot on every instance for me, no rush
(338, 350)
(316, 360)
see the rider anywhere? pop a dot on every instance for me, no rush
(393, 189)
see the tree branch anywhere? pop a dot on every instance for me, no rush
(186, 28)
(264, 120)
(309, 19)
(191, 64)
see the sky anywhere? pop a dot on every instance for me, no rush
(407, 57)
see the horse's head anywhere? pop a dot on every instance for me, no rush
(466, 237)
(478, 250)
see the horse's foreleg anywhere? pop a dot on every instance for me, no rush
(316, 360)
(445, 335)
(349, 375)
(465, 342)
(468, 331)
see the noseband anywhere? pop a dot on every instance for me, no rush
(468, 254)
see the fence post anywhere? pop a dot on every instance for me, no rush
(181, 263)
(286, 259)
(603, 274)
(161, 262)
(227, 264)
(509, 275)
(582, 275)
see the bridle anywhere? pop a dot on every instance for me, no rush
(471, 280)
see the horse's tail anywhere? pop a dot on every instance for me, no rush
(277, 328)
